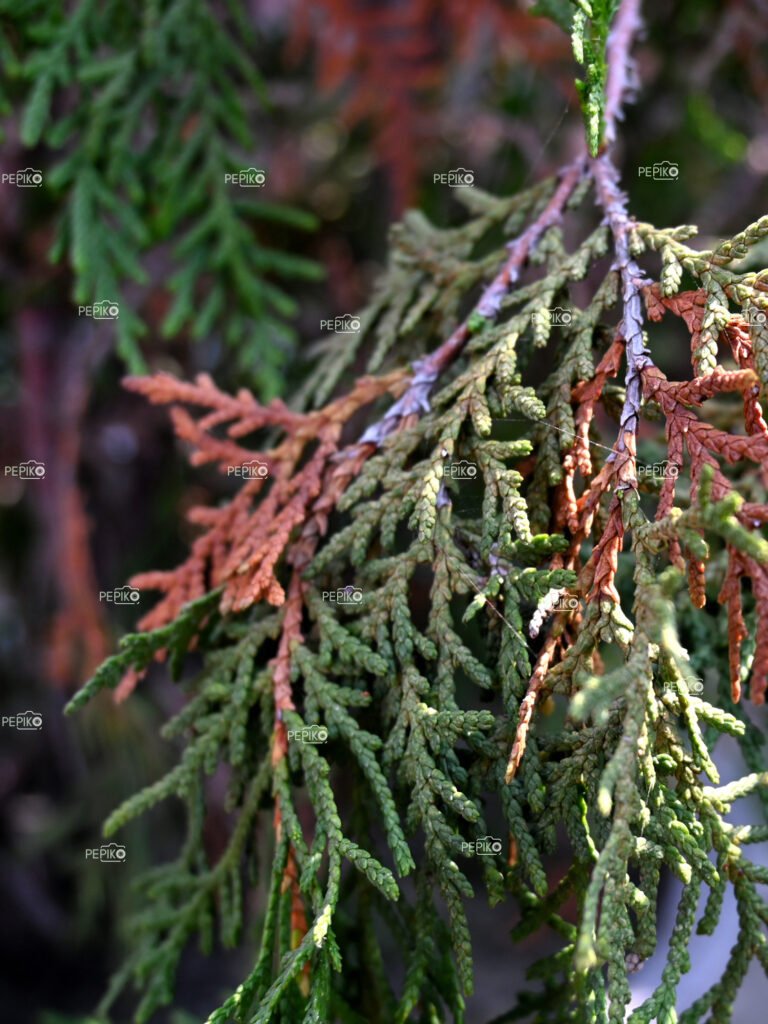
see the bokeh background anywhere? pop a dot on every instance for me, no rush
(351, 107)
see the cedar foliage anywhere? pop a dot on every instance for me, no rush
(609, 545)
(148, 106)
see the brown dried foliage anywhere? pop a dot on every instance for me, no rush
(705, 444)
(243, 541)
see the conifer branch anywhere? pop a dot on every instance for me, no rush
(427, 371)
(482, 539)
(621, 77)
(614, 203)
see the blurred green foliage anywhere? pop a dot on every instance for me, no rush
(149, 107)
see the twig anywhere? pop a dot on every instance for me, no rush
(613, 201)
(528, 703)
(428, 370)
(621, 67)
(621, 81)
(614, 204)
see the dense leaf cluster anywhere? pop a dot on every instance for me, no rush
(470, 571)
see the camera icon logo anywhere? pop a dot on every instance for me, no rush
(122, 595)
(485, 846)
(560, 317)
(29, 470)
(461, 178)
(665, 169)
(314, 734)
(29, 720)
(112, 852)
(108, 853)
(462, 470)
(346, 324)
(253, 470)
(29, 178)
(105, 310)
(25, 721)
(250, 177)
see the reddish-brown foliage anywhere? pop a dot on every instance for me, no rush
(387, 61)
(242, 541)
(704, 444)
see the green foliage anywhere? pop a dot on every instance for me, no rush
(455, 569)
(589, 24)
(559, 11)
(519, 669)
(149, 106)
(589, 35)
(430, 274)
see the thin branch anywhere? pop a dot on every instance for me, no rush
(427, 371)
(621, 82)
(622, 460)
(614, 204)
